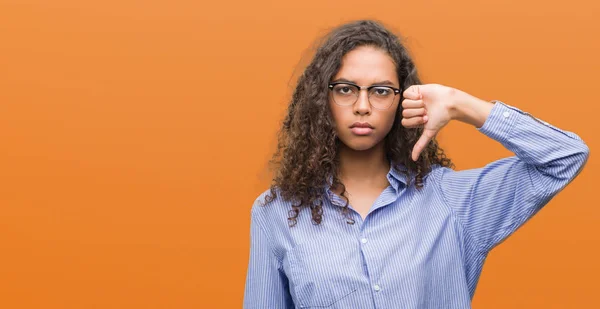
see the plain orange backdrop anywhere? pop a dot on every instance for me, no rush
(134, 137)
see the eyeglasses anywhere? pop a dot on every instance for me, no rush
(346, 94)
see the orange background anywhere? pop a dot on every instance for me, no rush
(134, 137)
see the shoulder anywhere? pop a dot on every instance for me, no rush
(270, 213)
(436, 173)
(442, 177)
(269, 207)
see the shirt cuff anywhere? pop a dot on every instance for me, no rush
(500, 121)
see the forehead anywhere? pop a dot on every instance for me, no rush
(366, 65)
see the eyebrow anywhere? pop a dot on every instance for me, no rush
(381, 83)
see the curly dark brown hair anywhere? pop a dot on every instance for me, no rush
(306, 156)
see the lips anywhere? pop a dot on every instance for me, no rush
(361, 125)
(361, 128)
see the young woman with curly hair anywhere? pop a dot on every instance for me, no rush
(365, 210)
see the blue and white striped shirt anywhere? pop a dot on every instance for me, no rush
(414, 249)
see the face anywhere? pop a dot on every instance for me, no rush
(365, 66)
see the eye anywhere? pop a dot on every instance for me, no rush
(382, 91)
(344, 89)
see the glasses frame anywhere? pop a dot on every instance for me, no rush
(368, 88)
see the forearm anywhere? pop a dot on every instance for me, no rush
(469, 109)
(556, 154)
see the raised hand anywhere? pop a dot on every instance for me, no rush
(428, 106)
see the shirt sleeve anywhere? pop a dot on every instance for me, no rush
(493, 201)
(266, 283)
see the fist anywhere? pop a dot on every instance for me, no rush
(426, 106)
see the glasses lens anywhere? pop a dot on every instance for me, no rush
(344, 94)
(381, 97)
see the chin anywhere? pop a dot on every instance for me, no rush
(359, 144)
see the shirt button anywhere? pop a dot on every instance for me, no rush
(364, 240)
(377, 288)
(505, 114)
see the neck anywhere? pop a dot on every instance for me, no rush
(365, 167)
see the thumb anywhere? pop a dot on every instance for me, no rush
(423, 141)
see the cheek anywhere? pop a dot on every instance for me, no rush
(337, 114)
(387, 120)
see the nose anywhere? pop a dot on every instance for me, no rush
(362, 105)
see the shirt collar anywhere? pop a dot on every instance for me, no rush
(395, 178)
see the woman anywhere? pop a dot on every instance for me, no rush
(365, 210)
